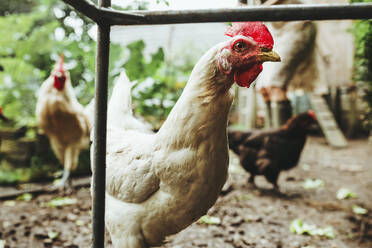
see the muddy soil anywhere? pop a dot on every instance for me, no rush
(244, 216)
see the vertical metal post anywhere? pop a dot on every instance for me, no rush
(100, 120)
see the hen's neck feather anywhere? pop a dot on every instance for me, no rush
(202, 110)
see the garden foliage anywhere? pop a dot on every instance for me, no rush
(34, 36)
(362, 31)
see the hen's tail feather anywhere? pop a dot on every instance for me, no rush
(120, 114)
(121, 100)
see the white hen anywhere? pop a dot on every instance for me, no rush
(62, 118)
(120, 114)
(158, 184)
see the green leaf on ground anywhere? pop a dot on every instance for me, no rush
(209, 220)
(62, 201)
(25, 197)
(53, 235)
(345, 193)
(298, 227)
(313, 184)
(359, 210)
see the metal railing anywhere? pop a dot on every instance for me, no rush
(100, 121)
(106, 17)
(294, 12)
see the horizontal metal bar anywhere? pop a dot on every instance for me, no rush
(99, 15)
(86, 8)
(127, 17)
(253, 13)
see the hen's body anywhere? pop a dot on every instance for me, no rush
(271, 151)
(157, 184)
(62, 118)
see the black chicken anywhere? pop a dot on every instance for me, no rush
(268, 152)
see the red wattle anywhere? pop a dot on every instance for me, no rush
(59, 82)
(244, 78)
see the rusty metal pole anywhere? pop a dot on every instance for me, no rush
(100, 121)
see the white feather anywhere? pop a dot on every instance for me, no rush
(158, 184)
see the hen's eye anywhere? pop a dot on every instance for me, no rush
(240, 46)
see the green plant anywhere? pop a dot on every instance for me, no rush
(297, 226)
(362, 31)
(31, 46)
(10, 175)
(160, 83)
(359, 210)
(209, 220)
(35, 34)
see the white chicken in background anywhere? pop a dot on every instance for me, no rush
(158, 184)
(62, 118)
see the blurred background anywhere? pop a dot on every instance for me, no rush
(331, 74)
(34, 33)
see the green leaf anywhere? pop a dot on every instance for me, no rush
(326, 232)
(359, 210)
(313, 184)
(296, 226)
(345, 193)
(362, 74)
(53, 235)
(299, 227)
(62, 201)
(25, 197)
(209, 220)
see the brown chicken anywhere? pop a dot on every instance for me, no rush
(63, 119)
(268, 152)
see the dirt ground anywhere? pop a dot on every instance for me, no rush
(243, 216)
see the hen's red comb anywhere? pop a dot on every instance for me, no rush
(312, 114)
(61, 60)
(256, 30)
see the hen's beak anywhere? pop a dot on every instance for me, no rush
(264, 56)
